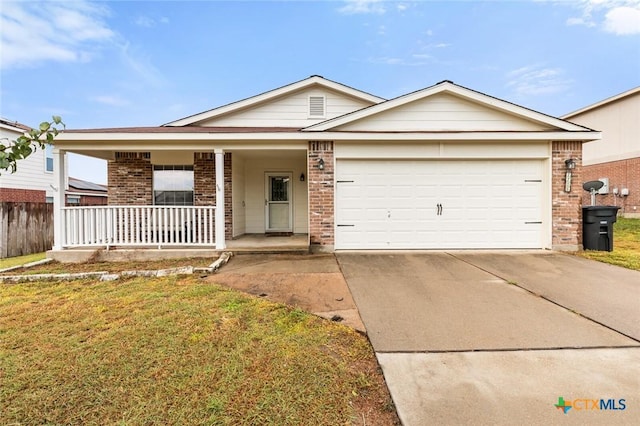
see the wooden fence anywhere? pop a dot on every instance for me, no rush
(25, 228)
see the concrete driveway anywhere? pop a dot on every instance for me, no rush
(498, 337)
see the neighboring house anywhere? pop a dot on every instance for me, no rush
(615, 159)
(445, 167)
(33, 180)
(83, 193)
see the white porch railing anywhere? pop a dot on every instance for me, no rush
(138, 226)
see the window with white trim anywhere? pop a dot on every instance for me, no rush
(173, 185)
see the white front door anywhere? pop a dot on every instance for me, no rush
(278, 206)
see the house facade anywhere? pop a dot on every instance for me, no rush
(614, 159)
(33, 179)
(445, 167)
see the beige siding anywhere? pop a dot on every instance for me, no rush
(31, 172)
(238, 185)
(471, 149)
(619, 123)
(443, 112)
(254, 190)
(290, 111)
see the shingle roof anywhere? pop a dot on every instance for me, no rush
(85, 185)
(187, 129)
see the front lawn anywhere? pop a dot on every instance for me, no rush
(626, 245)
(21, 260)
(178, 350)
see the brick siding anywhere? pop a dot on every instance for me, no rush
(321, 196)
(566, 206)
(131, 181)
(621, 174)
(15, 195)
(130, 178)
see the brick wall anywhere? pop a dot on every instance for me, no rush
(204, 178)
(321, 196)
(22, 195)
(566, 206)
(621, 174)
(228, 197)
(130, 179)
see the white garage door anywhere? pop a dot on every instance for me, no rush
(426, 204)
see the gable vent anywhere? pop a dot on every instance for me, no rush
(316, 106)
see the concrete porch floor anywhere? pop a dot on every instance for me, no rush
(264, 243)
(249, 243)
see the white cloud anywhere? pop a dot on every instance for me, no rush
(354, 7)
(147, 22)
(623, 20)
(620, 17)
(537, 80)
(111, 100)
(33, 33)
(415, 60)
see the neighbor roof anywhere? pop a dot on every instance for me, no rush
(86, 185)
(14, 124)
(603, 102)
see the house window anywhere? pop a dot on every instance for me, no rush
(48, 158)
(173, 185)
(316, 106)
(73, 200)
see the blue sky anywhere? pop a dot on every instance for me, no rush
(138, 63)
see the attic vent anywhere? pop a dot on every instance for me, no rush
(316, 106)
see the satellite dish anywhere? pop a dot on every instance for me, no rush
(592, 185)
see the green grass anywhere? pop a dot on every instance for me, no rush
(175, 350)
(626, 246)
(21, 260)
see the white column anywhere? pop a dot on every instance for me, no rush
(59, 187)
(220, 241)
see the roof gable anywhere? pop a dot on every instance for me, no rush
(605, 102)
(278, 101)
(445, 107)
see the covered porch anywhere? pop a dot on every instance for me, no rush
(246, 197)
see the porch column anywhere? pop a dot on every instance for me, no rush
(220, 228)
(59, 184)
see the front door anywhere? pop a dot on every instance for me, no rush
(278, 207)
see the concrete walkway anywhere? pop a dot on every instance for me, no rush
(465, 338)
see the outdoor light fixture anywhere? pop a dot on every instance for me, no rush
(321, 164)
(570, 164)
(301, 177)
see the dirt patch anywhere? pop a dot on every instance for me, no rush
(312, 283)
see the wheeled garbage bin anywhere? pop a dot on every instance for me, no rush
(597, 227)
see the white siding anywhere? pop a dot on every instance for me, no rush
(31, 172)
(443, 112)
(290, 111)
(238, 195)
(619, 123)
(255, 167)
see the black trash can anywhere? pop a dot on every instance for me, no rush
(597, 227)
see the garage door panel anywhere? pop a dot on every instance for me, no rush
(439, 204)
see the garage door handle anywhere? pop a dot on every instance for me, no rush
(438, 209)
